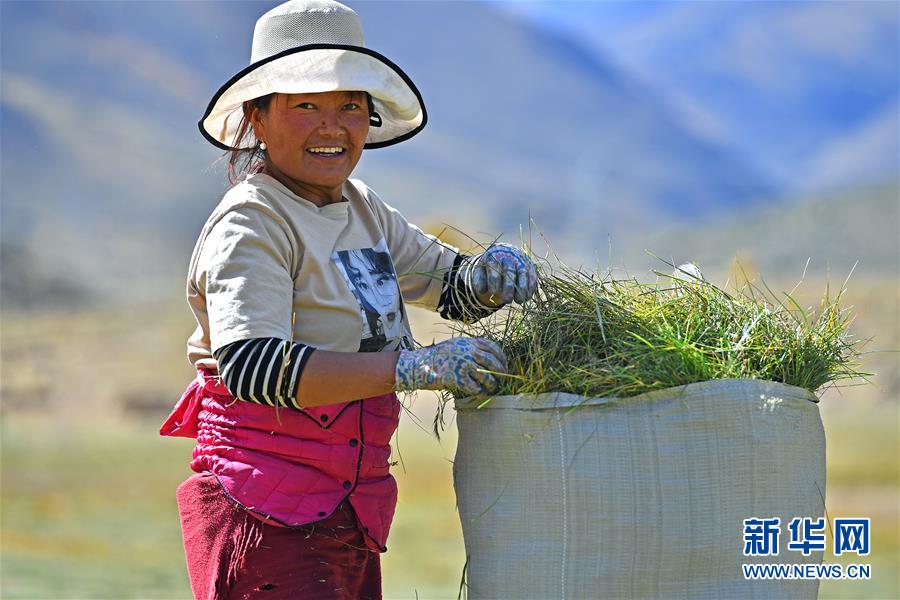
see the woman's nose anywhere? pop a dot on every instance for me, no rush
(331, 123)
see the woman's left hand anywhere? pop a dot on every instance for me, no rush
(502, 274)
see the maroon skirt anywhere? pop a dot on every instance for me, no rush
(232, 554)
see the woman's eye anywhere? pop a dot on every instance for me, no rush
(351, 106)
(307, 105)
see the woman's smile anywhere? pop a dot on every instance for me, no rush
(327, 151)
(326, 156)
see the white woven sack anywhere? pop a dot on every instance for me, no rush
(563, 496)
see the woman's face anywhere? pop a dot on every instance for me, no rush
(313, 141)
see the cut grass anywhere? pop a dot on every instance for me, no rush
(593, 335)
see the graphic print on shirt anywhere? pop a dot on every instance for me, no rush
(369, 272)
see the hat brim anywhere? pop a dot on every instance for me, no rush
(320, 68)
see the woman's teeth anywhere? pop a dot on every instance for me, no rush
(326, 150)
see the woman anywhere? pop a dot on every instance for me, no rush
(302, 341)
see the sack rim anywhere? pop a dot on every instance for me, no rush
(565, 400)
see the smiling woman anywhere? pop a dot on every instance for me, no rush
(298, 282)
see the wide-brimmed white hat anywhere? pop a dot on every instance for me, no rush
(308, 46)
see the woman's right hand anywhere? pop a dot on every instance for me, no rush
(463, 365)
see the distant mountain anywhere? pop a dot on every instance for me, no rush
(834, 231)
(776, 81)
(522, 118)
(868, 153)
(106, 181)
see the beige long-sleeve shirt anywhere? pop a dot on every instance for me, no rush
(269, 263)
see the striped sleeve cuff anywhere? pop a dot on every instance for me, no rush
(263, 370)
(458, 301)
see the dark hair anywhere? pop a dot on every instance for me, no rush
(248, 158)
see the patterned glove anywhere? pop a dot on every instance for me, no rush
(502, 273)
(456, 365)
